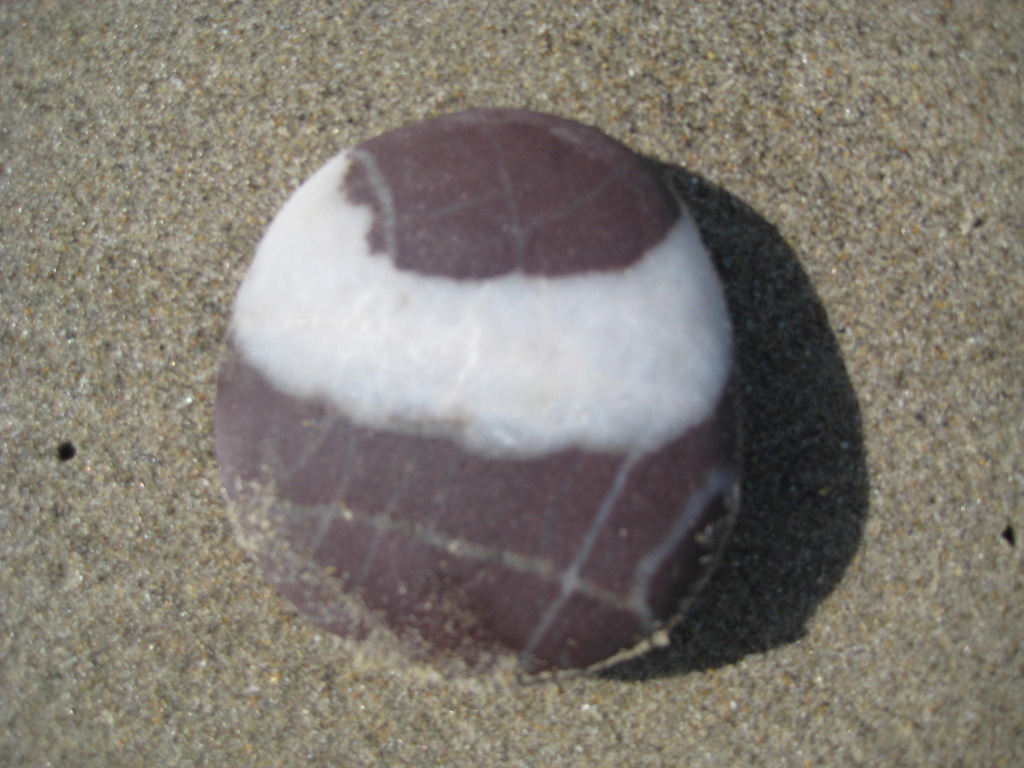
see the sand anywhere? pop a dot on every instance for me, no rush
(856, 168)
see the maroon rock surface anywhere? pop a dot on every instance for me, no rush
(537, 193)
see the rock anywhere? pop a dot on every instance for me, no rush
(476, 397)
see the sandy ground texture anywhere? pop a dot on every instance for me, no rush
(856, 167)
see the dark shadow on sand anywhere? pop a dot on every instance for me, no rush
(805, 487)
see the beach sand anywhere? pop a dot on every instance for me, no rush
(856, 168)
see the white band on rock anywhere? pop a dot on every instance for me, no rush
(617, 361)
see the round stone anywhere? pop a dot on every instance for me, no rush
(476, 395)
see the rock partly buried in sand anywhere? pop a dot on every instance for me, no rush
(475, 399)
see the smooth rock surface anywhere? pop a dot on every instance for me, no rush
(474, 397)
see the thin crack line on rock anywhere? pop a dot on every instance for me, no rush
(462, 548)
(378, 534)
(444, 210)
(385, 197)
(577, 201)
(569, 579)
(348, 462)
(312, 445)
(717, 482)
(517, 232)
